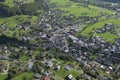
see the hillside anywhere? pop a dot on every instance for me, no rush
(91, 12)
(59, 40)
(115, 1)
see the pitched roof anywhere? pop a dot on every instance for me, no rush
(45, 78)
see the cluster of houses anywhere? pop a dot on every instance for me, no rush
(54, 31)
(108, 28)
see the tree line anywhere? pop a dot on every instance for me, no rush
(24, 9)
(2, 0)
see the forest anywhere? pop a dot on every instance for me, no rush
(23, 9)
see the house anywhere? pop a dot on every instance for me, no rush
(67, 68)
(57, 67)
(48, 63)
(47, 25)
(101, 77)
(45, 78)
(30, 65)
(118, 10)
(86, 77)
(70, 77)
(47, 73)
(3, 57)
(37, 76)
(73, 38)
(102, 67)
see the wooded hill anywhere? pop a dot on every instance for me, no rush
(115, 1)
(22, 9)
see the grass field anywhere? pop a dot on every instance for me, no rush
(3, 76)
(14, 20)
(18, 19)
(82, 11)
(108, 36)
(62, 73)
(60, 2)
(21, 76)
(23, 58)
(73, 8)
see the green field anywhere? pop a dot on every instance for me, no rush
(63, 73)
(3, 76)
(18, 19)
(82, 11)
(23, 58)
(24, 75)
(73, 8)
(14, 20)
(108, 36)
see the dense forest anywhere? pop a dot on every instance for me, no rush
(2, 0)
(115, 1)
(24, 9)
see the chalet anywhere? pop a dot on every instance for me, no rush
(48, 63)
(57, 67)
(118, 10)
(67, 68)
(3, 57)
(70, 77)
(86, 77)
(37, 76)
(45, 78)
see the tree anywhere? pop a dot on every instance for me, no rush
(2, 0)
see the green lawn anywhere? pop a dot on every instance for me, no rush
(23, 58)
(60, 2)
(62, 73)
(3, 76)
(25, 74)
(73, 8)
(12, 21)
(82, 11)
(108, 36)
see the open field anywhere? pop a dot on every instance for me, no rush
(3, 76)
(18, 19)
(14, 20)
(23, 75)
(79, 10)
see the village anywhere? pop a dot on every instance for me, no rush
(51, 49)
